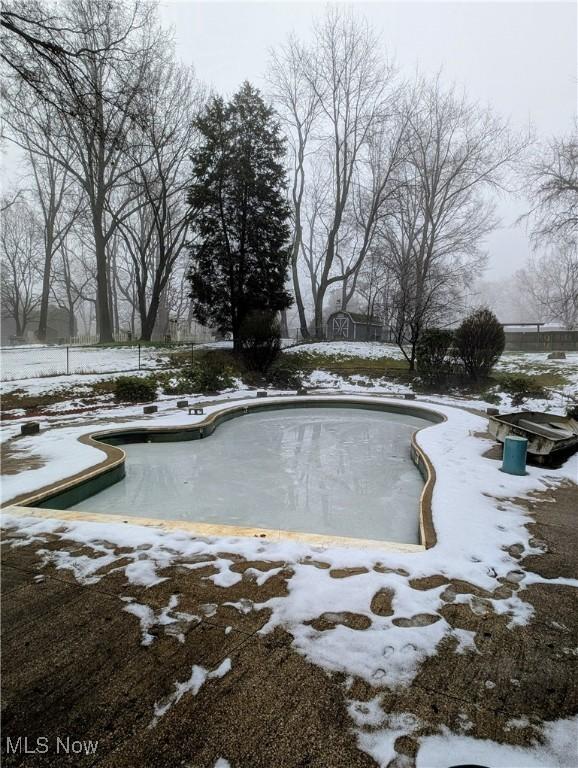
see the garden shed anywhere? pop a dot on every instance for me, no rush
(353, 326)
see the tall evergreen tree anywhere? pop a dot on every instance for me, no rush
(241, 253)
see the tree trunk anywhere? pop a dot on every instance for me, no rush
(18, 325)
(299, 302)
(113, 298)
(71, 328)
(413, 353)
(319, 300)
(149, 321)
(104, 319)
(236, 331)
(43, 319)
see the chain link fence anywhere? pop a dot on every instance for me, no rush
(43, 361)
(38, 361)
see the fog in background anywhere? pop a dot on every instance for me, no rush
(519, 57)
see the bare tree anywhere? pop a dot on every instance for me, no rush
(376, 182)
(552, 180)
(298, 105)
(552, 282)
(9, 200)
(126, 287)
(100, 95)
(455, 155)
(178, 297)
(374, 286)
(156, 232)
(58, 200)
(352, 84)
(45, 49)
(20, 252)
(339, 101)
(72, 284)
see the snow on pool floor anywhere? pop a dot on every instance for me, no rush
(330, 471)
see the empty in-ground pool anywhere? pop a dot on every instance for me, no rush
(332, 471)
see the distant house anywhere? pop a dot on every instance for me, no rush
(353, 326)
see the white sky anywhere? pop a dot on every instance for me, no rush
(520, 57)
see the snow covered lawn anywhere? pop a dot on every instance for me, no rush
(516, 363)
(537, 364)
(530, 363)
(34, 361)
(79, 385)
(368, 350)
(25, 363)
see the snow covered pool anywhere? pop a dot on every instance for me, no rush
(331, 471)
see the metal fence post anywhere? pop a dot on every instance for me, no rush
(67, 361)
(192, 353)
(139, 357)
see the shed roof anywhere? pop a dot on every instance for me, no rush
(359, 318)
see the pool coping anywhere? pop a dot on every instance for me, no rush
(111, 469)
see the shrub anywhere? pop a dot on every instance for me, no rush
(480, 340)
(210, 376)
(492, 397)
(432, 353)
(203, 376)
(174, 383)
(134, 389)
(260, 340)
(522, 387)
(285, 373)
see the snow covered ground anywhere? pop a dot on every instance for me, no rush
(28, 363)
(472, 548)
(531, 364)
(32, 377)
(536, 363)
(370, 350)
(334, 383)
(34, 361)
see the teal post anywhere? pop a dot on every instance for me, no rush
(514, 460)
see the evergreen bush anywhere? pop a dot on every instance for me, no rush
(285, 373)
(432, 352)
(134, 389)
(479, 342)
(203, 376)
(260, 340)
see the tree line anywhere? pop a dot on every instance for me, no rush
(145, 197)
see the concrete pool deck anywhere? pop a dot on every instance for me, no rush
(74, 666)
